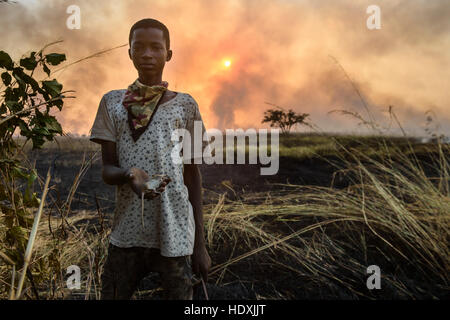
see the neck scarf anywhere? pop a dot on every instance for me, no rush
(141, 102)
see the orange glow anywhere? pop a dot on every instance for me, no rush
(283, 52)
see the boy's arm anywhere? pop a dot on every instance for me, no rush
(103, 132)
(201, 262)
(112, 173)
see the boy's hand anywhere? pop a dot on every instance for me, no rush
(201, 261)
(137, 183)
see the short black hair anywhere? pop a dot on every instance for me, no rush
(151, 23)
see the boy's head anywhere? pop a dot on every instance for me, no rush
(149, 46)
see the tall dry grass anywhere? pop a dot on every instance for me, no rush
(394, 213)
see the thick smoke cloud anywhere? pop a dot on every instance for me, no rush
(281, 52)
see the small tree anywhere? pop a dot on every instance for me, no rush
(284, 120)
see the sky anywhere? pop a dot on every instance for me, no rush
(309, 56)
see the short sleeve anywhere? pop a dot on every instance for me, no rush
(103, 127)
(199, 139)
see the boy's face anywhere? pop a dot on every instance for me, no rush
(148, 51)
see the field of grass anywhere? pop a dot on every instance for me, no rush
(294, 241)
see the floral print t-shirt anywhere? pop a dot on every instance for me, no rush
(168, 219)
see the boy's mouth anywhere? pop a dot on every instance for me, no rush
(147, 65)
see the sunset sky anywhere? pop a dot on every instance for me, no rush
(278, 51)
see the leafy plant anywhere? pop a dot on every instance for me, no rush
(25, 106)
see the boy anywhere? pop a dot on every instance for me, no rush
(134, 128)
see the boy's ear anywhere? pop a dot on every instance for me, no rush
(169, 55)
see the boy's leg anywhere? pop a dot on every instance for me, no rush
(122, 272)
(176, 277)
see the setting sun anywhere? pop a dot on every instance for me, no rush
(227, 63)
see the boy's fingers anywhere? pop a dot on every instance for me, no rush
(150, 195)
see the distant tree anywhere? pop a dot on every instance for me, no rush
(284, 120)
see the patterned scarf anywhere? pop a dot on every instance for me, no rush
(141, 103)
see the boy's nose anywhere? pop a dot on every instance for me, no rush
(147, 52)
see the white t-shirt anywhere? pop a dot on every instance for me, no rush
(168, 219)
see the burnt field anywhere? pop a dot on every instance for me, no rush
(308, 232)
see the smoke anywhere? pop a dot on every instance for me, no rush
(279, 52)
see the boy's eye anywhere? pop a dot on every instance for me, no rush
(140, 47)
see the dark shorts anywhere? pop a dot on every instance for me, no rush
(126, 267)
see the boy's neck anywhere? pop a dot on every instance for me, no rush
(150, 80)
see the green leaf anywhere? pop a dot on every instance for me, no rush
(12, 94)
(32, 176)
(6, 61)
(34, 201)
(44, 94)
(42, 131)
(58, 104)
(29, 63)
(20, 76)
(46, 69)
(17, 74)
(24, 130)
(30, 197)
(19, 234)
(33, 83)
(52, 87)
(6, 77)
(52, 125)
(38, 141)
(14, 106)
(24, 78)
(18, 173)
(55, 58)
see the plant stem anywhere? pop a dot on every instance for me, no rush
(33, 236)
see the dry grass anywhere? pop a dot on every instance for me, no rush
(392, 215)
